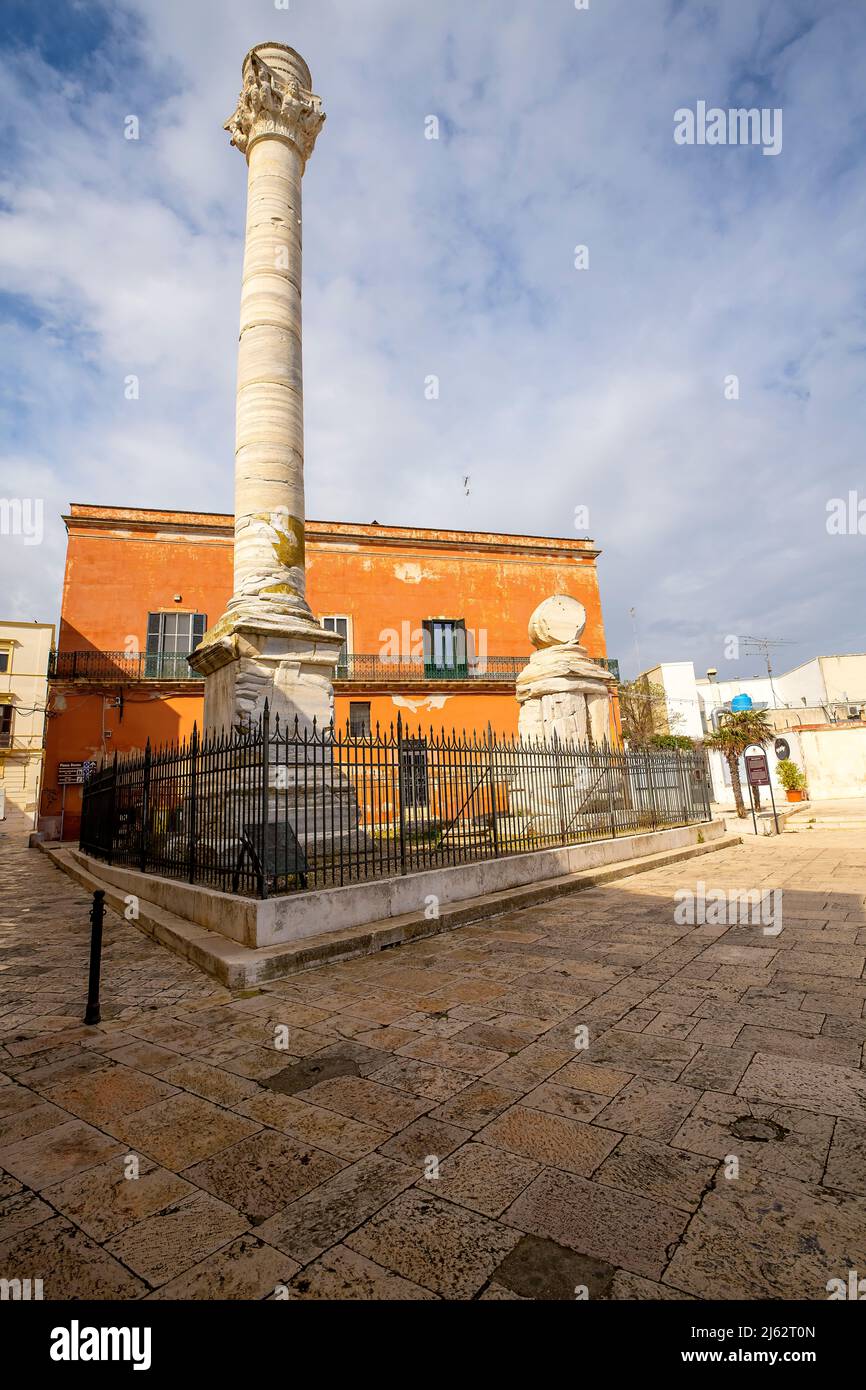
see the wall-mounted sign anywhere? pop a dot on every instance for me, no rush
(70, 774)
(783, 748)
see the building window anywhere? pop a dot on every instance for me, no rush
(4, 660)
(170, 639)
(5, 726)
(359, 718)
(413, 773)
(444, 648)
(341, 625)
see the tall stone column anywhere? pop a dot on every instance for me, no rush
(267, 644)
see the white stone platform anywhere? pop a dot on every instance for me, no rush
(245, 941)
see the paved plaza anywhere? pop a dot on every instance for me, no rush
(425, 1123)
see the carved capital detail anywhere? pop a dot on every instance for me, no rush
(269, 104)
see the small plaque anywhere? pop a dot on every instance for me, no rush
(757, 773)
(274, 852)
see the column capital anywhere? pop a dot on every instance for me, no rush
(276, 100)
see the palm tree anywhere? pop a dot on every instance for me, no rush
(733, 736)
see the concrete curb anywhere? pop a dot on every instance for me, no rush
(240, 967)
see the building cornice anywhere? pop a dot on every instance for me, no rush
(220, 525)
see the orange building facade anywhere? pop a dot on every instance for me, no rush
(434, 626)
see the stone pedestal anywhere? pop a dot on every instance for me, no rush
(268, 644)
(320, 810)
(564, 701)
(292, 671)
(561, 691)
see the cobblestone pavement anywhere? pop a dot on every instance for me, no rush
(710, 1142)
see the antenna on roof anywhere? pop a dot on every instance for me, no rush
(762, 646)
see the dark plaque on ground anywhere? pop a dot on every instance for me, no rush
(274, 852)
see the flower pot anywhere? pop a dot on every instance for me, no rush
(796, 795)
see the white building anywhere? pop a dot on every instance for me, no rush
(819, 708)
(825, 690)
(24, 652)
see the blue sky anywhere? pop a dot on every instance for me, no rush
(559, 388)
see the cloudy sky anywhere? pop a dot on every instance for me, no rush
(560, 388)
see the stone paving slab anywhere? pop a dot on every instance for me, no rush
(247, 1268)
(830, 1090)
(505, 1111)
(631, 1232)
(71, 1265)
(769, 1237)
(442, 1247)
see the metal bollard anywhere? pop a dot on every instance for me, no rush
(97, 914)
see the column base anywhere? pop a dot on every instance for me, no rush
(301, 826)
(288, 662)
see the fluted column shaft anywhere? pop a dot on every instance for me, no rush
(269, 440)
(267, 646)
(275, 125)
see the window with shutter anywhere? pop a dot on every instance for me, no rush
(339, 624)
(359, 718)
(444, 648)
(170, 639)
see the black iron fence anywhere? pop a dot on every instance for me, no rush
(272, 810)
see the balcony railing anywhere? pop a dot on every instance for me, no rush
(120, 667)
(406, 669)
(354, 667)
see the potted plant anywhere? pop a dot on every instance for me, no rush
(792, 779)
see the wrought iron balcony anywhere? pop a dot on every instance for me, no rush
(365, 668)
(120, 668)
(361, 668)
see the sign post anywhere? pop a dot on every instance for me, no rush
(758, 775)
(752, 805)
(68, 775)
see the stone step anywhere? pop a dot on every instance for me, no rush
(240, 967)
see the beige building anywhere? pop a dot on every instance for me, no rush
(24, 653)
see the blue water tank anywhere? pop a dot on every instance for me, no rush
(741, 702)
